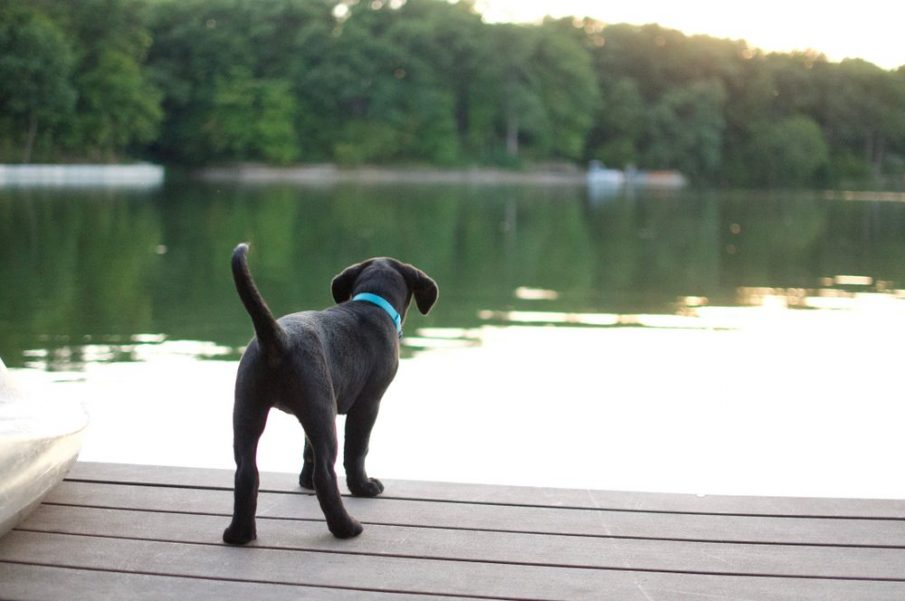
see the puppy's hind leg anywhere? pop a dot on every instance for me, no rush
(322, 435)
(249, 420)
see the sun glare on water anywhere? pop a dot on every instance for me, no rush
(711, 400)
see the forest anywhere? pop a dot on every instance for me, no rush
(428, 82)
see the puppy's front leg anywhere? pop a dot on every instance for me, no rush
(306, 477)
(359, 423)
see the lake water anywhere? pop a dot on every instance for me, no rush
(700, 342)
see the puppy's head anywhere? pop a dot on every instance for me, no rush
(394, 280)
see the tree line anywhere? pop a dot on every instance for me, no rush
(428, 82)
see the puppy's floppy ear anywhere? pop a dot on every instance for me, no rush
(422, 286)
(343, 283)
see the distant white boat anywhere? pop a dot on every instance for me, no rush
(600, 176)
(40, 439)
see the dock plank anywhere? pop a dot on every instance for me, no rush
(516, 495)
(529, 518)
(25, 582)
(491, 547)
(144, 532)
(419, 577)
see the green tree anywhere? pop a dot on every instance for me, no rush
(568, 89)
(665, 97)
(118, 107)
(381, 88)
(36, 91)
(445, 77)
(861, 112)
(521, 105)
(196, 43)
(795, 82)
(358, 87)
(452, 44)
(619, 124)
(251, 119)
(750, 101)
(685, 130)
(791, 151)
(276, 139)
(229, 127)
(546, 90)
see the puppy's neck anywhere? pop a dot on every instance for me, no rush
(384, 304)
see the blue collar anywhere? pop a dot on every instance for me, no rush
(383, 304)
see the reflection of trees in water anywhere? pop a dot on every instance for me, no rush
(711, 243)
(74, 267)
(100, 267)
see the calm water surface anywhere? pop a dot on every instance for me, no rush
(703, 342)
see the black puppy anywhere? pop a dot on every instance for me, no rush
(315, 364)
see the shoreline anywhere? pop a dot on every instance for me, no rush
(333, 174)
(142, 175)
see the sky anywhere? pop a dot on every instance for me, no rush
(868, 29)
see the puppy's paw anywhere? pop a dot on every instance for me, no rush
(239, 535)
(367, 488)
(349, 529)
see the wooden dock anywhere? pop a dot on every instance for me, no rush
(123, 531)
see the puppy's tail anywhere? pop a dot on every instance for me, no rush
(271, 336)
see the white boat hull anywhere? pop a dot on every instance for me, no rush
(40, 439)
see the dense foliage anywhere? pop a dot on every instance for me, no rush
(428, 82)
